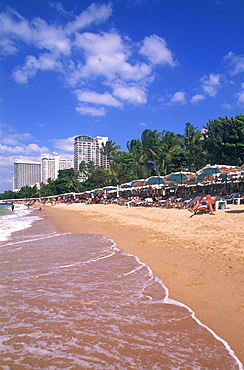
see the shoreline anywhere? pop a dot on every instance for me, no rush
(199, 259)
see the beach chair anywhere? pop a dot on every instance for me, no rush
(192, 202)
(204, 207)
(231, 198)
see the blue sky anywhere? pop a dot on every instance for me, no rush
(113, 68)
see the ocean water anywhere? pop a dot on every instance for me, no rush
(75, 301)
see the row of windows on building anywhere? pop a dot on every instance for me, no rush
(86, 149)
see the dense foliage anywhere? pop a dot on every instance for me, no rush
(156, 153)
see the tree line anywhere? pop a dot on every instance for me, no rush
(221, 141)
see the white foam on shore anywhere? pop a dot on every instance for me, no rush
(168, 300)
(21, 218)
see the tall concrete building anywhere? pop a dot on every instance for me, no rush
(88, 149)
(51, 166)
(26, 173)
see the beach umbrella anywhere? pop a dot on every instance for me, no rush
(127, 185)
(137, 183)
(155, 180)
(180, 177)
(108, 188)
(213, 173)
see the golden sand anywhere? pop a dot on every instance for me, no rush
(200, 258)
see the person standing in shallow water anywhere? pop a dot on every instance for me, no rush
(12, 206)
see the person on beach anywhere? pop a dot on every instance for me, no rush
(208, 201)
(12, 206)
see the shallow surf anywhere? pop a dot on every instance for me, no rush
(76, 301)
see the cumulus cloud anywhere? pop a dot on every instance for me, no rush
(9, 136)
(155, 49)
(93, 97)
(198, 97)
(13, 27)
(107, 56)
(94, 14)
(178, 97)
(211, 84)
(104, 58)
(92, 111)
(44, 63)
(133, 94)
(65, 145)
(235, 62)
(241, 96)
(13, 142)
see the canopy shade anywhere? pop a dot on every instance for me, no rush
(180, 178)
(107, 188)
(213, 172)
(155, 180)
(140, 182)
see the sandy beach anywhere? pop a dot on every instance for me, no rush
(200, 258)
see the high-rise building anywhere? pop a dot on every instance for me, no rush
(51, 166)
(26, 173)
(88, 149)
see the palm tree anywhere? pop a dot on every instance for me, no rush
(193, 141)
(109, 149)
(83, 170)
(171, 148)
(135, 147)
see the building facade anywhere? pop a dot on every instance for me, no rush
(88, 149)
(51, 166)
(26, 173)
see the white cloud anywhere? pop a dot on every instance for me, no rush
(198, 97)
(65, 145)
(107, 55)
(9, 136)
(235, 62)
(94, 14)
(155, 49)
(59, 7)
(84, 109)
(105, 58)
(211, 84)
(93, 97)
(178, 97)
(133, 94)
(14, 27)
(34, 148)
(52, 38)
(23, 149)
(241, 97)
(5, 149)
(32, 65)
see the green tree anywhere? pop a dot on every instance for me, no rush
(110, 149)
(67, 181)
(29, 192)
(135, 147)
(194, 152)
(171, 152)
(48, 189)
(224, 140)
(123, 166)
(83, 169)
(98, 177)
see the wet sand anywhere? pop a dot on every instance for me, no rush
(199, 258)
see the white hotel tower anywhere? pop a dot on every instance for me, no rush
(88, 149)
(26, 173)
(51, 166)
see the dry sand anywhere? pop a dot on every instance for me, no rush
(200, 258)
